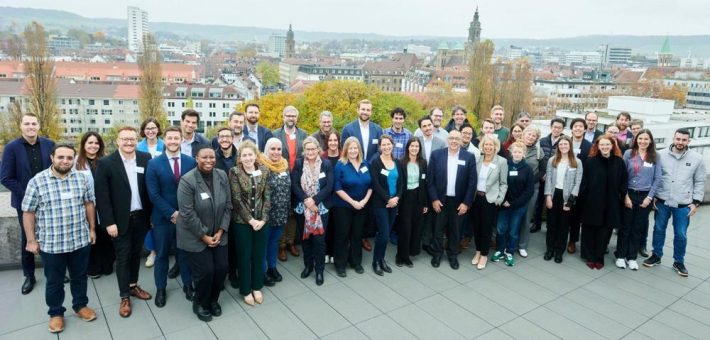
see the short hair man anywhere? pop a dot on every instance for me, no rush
(256, 132)
(325, 128)
(458, 119)
(524, 119)
(367, 132)
(236, 125)
(591, 134)
(498, 115)
(59, 221)
(625, 137)
(291, 136)
(436, 115)
(399, 133)
(429, 141)
(636, 126)
(191, 139)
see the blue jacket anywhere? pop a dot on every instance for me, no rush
(353, 130)
(198, 141)
(325, 182)
(466, 177)
(263, 134)
(15, 170)
(162, 189)
(584, 149)
(143, 146)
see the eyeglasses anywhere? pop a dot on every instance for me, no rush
(225, 136)
(128, 140)
(152, 128)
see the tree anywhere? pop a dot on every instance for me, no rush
(14, 47)
(247, 53)
(10, 123)
(40, 81)
(337, 96)
(99, 37)
(271, 108)
(268, 73)
(83, 37)
(481, 82)
(151, 96)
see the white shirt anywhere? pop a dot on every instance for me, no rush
(561, 172)
(483, 177)
(253, 133)
(427, 146)
(589, 136)
(186, 145)
(131, 167)
(452, 167)
(365, 133)
(171, 161)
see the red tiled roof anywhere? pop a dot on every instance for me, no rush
(87, 71)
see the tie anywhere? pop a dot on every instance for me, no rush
(176, 169)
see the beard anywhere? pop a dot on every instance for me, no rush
(62, 170)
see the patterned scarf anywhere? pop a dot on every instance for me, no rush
(309, 182)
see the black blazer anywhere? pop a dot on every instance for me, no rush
(113, 192)
(325, 194)
(466, 176)
(423, 195)
(380, 188)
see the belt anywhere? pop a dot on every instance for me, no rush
(135, 213)
(645, 192)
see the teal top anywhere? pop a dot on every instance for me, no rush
(392, 180)
(412, 176)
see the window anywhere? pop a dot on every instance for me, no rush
(107, 121)
(95, 78)
(171, 104)
(212, 105)
(91, 102)
(92, 121)
(198, 105)
(213, 114)
(106, 101)
(225, 105)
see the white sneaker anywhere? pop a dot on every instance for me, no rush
(621, 263)
(523, 253)
(150, 261)
(633, 265)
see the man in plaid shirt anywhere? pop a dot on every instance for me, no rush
(58, 215)
(399, 133)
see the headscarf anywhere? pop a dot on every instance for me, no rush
(278, 166)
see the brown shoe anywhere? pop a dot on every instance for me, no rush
(56, 324)
(293, 250)
(465, 243)
(366, 244)
(139, 293)
(571, 247)
(282, 255)
(124, 310)
(86, 314)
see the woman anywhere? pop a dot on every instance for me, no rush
(414, 203)
(152, 144)
(564, 175)
(490, 192)
(644, 175)
(510, 217)
(387, 186)
(205, 207)
(533, 157)
(352, 192)
(279, 181)
(312, 186)
(332, 153)
(102, 254)
(516, 134)
(251, 198)
(604, 183)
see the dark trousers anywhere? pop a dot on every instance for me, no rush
(55, 267)
(427, 227)
(410, 217)
(28, 259)
(102, 254)
(314, 245)
(449, 221)
(575, 221)
(163, 241)
(634, 221)
(370, 227)
(209, 269)
(330, 237)
(594, 242)
(539, 205)
(557, 225)
(348, 233)
(232, 255)
(251, 249)
(384, 217)
(129, 246)
(483, 218)
(272, 245)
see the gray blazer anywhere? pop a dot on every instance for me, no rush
(200, 209)
(497, 180)
(282, 136)
(436, 144)
(573, 178)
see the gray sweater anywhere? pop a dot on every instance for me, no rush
(683, 178)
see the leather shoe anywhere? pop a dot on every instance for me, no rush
(399, 263)
(293, 250)
(534, 228)
(436, 261)
(28, 285)
(56, 324)
(234, 282)
(366, 244)
(124, 309)
(139, 293)
(359, 269)
(341, 272)
(306, 272)
(409, 263)
(215, 309)
(268, 280)
(558, 258)
(87, 314)
(282, 255)
(454, 263)
(465, 243)
(571, 247)
(377, 269)
(548, 256)
(174, 271)
(427, 249)
(319, 279)
(160, 298)
(643, 252)
(385, 266)
(276, 275)
(202, 313)
(189, 292)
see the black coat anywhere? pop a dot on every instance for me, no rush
(604, 182)
(380, 188)
(423, 196)
(325, 183)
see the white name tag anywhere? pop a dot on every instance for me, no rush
(513, 173)
(363, 169)
(398, 145)
(492, 166)
(292, 137)
(647, 164)
(375, 141)
(577, 151)
(140, 169)
(283, 174)
(66, 195)
(256, 173)
(461, 162)
(385, 172)
(423, 176)
(321, 175)
(204, 195)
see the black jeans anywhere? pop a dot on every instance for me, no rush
(129, 246)
(634, 222)
(484, 218)
(55, 268)
(28, 259)
(209, 269)
(449, 221)
(348, 234)
(314, 245)
(539, 205)
(410, 216)
(594, 242)
(557, 224)
(232, 255)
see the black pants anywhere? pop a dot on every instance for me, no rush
(28, 259)
(575, 221)
(410, 216)
(449, 221)
(557, 225)
(347, 234)
(232, 255)
(55, 267)
(128, 246)
(634, 222)
(102, 254)
(426, 231)
(483, 218)
(330, 237)
(539, 205)
(209, 269)
(594, 242)
(314, 245)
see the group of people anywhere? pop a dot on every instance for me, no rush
(232, 207)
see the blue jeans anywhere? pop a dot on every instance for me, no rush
(385, 220)
(272, 245)
(680, 230)
(55, 267)
(164, 239)
(508, 228)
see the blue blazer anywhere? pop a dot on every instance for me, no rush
(325, 194)
(162, 188)
(353, 129)
(263, 135)
(15, 170)
(466, 177)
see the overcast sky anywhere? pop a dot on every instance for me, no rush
(500, 19)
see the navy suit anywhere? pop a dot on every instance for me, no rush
(353, 130)
(15, 173)
(162, 189)
(263, 134)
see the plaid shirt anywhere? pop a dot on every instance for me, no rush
(58, 204)
(400, 141)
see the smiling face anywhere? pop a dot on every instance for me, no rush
(680, 141)
(643, 140)
(91, 147)
(364, 111)
(459, 117)
(386, 147)
(29, 126)
(172, 141)
(333, 142)
(592, 120)
(516, 132)
(517, 154)
(524, 120)
(290, 119)
(237, 124)
(189, 124)
(311, 151)
(454, 140)
(398, 121)
(414, 148)
(488, 147)
(563, 146)
(353, 151)
(498, 116)
(150, 131)
(623, 122)
(436, 117)
(530, 137)
(274, 152)
(63, 160)
(578, 130)
(605, 147)
(487, 128)
(225, 139)
(247, 157)
(205, 159)
(326, 123)
(126, 141)
(556, 129)
(466, 134)
(427, 127)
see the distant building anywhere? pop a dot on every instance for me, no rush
(474, 34)
(57, 43)
(213, 103)
(277, 45)
(616, 55)
(665, 56)
(697, 90)
(456, 55)
(389, 75)
(583, 58)
(314, 72)
(290, 48)
(137, 28)
(515, 52)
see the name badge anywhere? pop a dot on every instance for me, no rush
(140, 170)
(321, 175)
(577, 151)
(492, 166)
(204, 195)
(461, 162)
(256, 173)
(363, 169)
(65, 195)
(385, 172)
(423, 176)
(398, 145)
(513, 173)
(375, 141)
(283, 174)
(292, 137)
(647, 164)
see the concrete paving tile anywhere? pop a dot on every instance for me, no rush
(588, 318)
(140, 325)
(454, 316)
(199, 331)
(560, 325)
(684, 323)
(520, 328)
(21, 311)
(655, 329)
(316, 314)
(478, 304)
(236, 326)
(510, 299)
(383, 327)
(494, 334)
(348, 303)
(277, 322)
(514, 283)
(692, 310)
(38, 332)
(418, 322)
(376, 293)
(350, 333)
(612, 309)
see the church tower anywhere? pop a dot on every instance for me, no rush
(474, 30)
(290, 44)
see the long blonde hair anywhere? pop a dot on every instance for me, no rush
(344, 151)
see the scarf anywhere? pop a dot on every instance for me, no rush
(276, 167)
(309, 182)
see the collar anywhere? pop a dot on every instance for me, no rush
(135, 156)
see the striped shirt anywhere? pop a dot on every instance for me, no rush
(58, 204)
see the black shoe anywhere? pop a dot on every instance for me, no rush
(359, 269)
(268, 280)
(606, 251)
(28, 285)
(652, 261)
(341, 272)
(306, 272)
(319, 279)
(94, 276)
(215, 309)
(189, 292)
(66, 279)
(534, 228)
(174, 271)
(558, 258)
(276, 275)
(643, 252)
(385, 266)
(377, 269)
(454, 263)
(548, 256)
(399, 263)
(436, 261)
(680, 269)
(427, 249)
(409, 263)
(202, 313)
(160, 298)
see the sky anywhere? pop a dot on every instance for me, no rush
(536, 19)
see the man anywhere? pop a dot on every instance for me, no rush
(226, 151)
(191, 140)
(580, 147)
(161, 179)
(451, 186)
(458, 119)
(367, 132)
(236, 125)
(22, 159)
(488, 127)
(291, 136)
(124, 209)
(548, 145)
(591, 133)
(436, 115)
(325, 128)
(524, 119)
(256, 132)
(428, 140)
(636, 126)
(59, 202)
(679, 195)
(498, 115)
(398, 132)
(625, 137)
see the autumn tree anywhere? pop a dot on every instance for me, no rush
(14, 47)
(151, 97)
(10, 123)
(40, 82)
(481, 79)
(271, 108)
(337, 96)
(268, 73)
